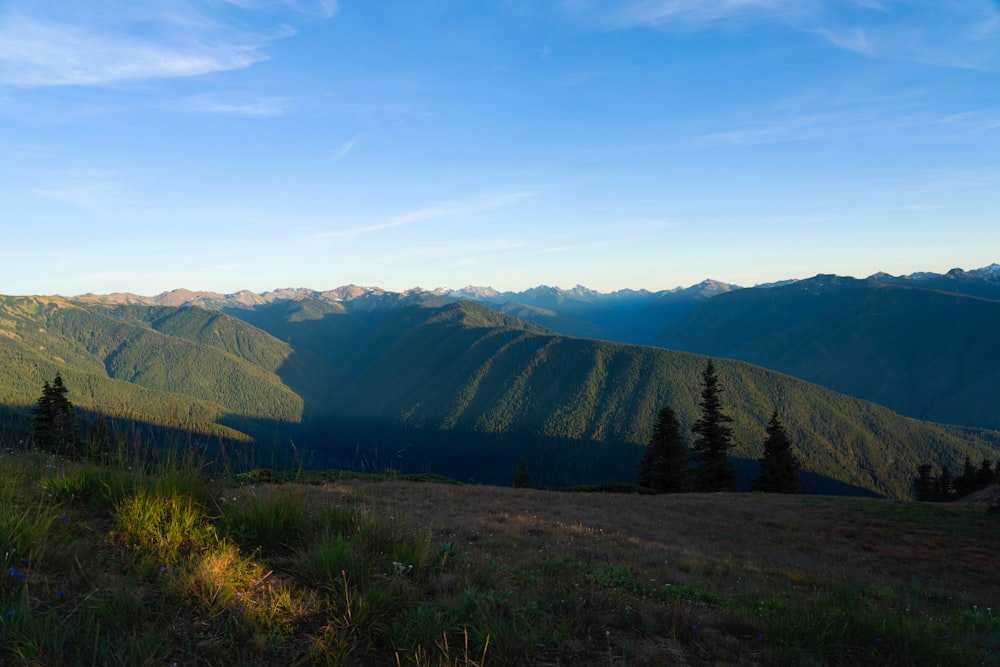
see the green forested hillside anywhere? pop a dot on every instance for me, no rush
(924, 353)
(458, 389)
(212, 328)
(116, 362)
(453, 370)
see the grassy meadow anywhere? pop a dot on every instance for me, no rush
(179, 564)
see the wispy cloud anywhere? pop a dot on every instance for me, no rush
(447, 209)
(959, 35)
(871, 4)
(349, 145)
(111, 41)
(41, 53)
(915, 45)
(573, 247)
(962, 35)
(635, 13)
(469, 206)
(772, 131)
(825, 119)
(448, 254)
(853, 39)
(86, 190)
(320, 8)
(264, 107)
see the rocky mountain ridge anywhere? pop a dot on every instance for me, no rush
(346, 293)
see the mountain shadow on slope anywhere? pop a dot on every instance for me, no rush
(923, 353)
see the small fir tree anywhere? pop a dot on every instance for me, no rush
(522, 478)
(946, 485)
(713, 470)
(53, 425)
(966, 482)
(779, 465)
(986, 474)
(664, 465)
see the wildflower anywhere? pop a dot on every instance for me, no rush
(60, 594)
(10, 613)
(14, 573)
(694, 628)
(163, 568)
(62, 517)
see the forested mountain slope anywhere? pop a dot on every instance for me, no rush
(188, 368)
(464, 369)
(925, 353)
(457, 388)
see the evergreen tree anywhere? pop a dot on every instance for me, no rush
(522, 478)
(946, 485)
(986, 474)
(713, 469)
(966, 482)
(53, 426)
(779, 464)
(664, 465)
(926, 487)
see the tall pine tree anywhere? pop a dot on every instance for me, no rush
(779, 464)
(986, 474)
(966, 482)
(522, 478)
(710, 452)
(664, 466)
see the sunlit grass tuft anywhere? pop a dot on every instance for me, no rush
(158, 564)
(163, 524)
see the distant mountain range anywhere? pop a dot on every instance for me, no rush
(464, 382)
(625, 316)
(927, 348)
(922, 344)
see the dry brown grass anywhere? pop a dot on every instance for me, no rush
(753, 541)
(763, 546)
(385, 570)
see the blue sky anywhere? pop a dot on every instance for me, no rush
(258, 144)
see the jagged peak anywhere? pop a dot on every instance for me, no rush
(991, 270)
(351, 292)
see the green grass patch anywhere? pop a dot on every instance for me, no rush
(274, 524)
(160, 565)
(845, 627)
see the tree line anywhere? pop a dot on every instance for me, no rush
(945, 486)
(668, 467)
(55, 427)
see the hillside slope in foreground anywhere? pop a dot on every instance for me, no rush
(127, 566)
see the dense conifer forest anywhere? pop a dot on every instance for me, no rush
(425, 385)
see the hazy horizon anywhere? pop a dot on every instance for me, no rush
(453, 288)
